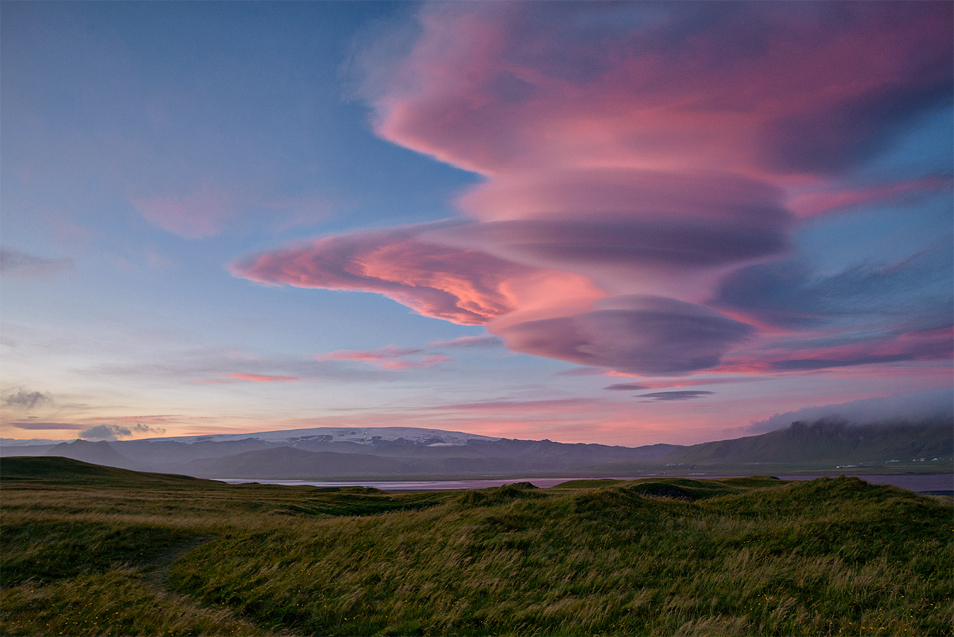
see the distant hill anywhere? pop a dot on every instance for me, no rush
(100, 453)
(480, 458)
(328, 453)
(402, 453)
(828, 442)
(289, 463)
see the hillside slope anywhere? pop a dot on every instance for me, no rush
(59, 471)
(825, 442)
(747, 556)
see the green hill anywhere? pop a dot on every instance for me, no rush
(56, 471)
(743, 556)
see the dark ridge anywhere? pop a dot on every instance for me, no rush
(55, 470)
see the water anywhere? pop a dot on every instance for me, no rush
(913, 482)
(418, 485)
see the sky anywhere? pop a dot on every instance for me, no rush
(620, 223)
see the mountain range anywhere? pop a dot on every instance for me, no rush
(409, 453)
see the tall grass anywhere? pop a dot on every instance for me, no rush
(731, 557)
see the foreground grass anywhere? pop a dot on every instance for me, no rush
(120, 554)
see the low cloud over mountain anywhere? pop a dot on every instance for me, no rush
(937, 404)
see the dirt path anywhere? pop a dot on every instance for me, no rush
(155, 574)
(157, 571)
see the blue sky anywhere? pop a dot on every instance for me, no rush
(226, 217)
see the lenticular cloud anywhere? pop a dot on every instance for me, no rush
(461, 286)
(636, 156)
(756, 88)
(632, 334)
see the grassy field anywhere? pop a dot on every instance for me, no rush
(96, 551)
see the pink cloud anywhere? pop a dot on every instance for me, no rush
(460, 285)
(300, 211)
(468, 342)
(428, 360)
(643, 334)
(262, 378)
(813, 203)
(628, 230)
(157, 261)
(636, 157)
(486, 86)
(390, 357)
(370, 356)
(202, 213)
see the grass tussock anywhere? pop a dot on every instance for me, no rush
(752, 556)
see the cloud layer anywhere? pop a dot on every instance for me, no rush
(936, 405)
(644, 168)
(26, 399)
(461, 286)
(114, 432)
(777, 88)
(638, 334)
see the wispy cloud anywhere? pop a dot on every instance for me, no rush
(203, 212)
(401, 358)
(469, 342)
(115, 432)
(522, 406)
(23, 399)
(788, 293)
(429, 360)
(21, 264)
(216, 365)
(392, 358)
(676, 395)
(52, 426)
(390, 352)
(585, 371)
(832, 201)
